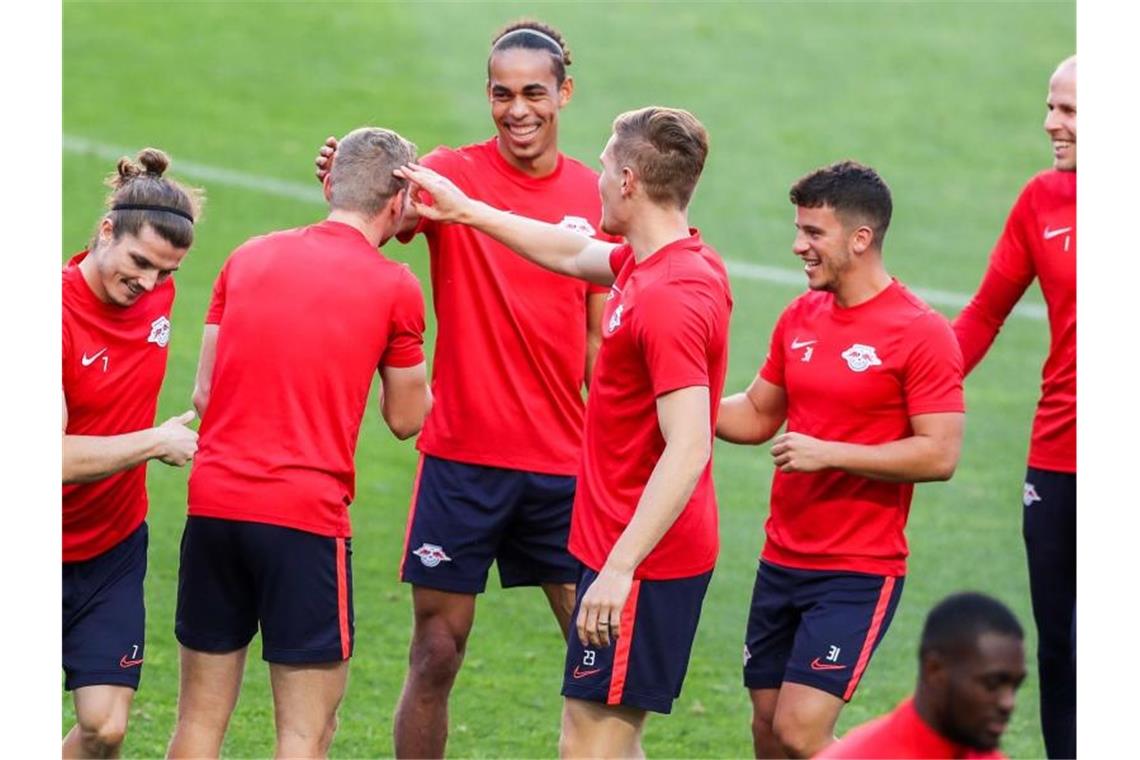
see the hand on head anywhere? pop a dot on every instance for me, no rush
(449, 204)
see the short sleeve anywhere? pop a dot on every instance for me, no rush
(406, 324)
(772, 369)
(218, 298)
(933, 372)
(673, 331)
(1012, 255)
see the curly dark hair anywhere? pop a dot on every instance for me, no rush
(853, 190)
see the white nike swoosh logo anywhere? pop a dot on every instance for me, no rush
(1050, 234)
(87, 360)
(800, 344)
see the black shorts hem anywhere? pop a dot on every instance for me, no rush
(833, 689)
(304, 656)
(106, 678)
(443, 585)
(649, 702)
(211, 645)
(763, 680)
(569, 577)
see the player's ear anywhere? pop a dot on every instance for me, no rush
(935, 670)
(106, 230)
(326, 185)
(565, 91)
(862, 238)
(628, 182)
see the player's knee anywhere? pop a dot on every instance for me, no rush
(104, 734)
(572, 740)
(436, 657)
(798, 738)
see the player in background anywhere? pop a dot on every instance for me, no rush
(971, 662)
(869, 381)
(645, 519)
(117, 297)
(522, 331)
(298, 324)
(1040, 241)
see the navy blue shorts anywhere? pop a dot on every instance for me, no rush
(816, 627)
(234, 576)
(104, 618)
(645, 666)
(464, 516)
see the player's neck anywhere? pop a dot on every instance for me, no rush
(654, 228)
(861, 284)
(538, 167)
(89, 268)
(366, 227)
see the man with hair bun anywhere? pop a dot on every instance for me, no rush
(117, 297)
(529, 337)
(1039, 241)
(971, 662)
(299, 323)
(868, 379)
(645, 520)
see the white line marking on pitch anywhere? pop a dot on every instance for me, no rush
(311, 193)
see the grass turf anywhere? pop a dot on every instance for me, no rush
(945, 99)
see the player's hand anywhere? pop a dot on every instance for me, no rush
(178, 442)
(449, 204)
(599, 614)
(796, 452)
(324, 159)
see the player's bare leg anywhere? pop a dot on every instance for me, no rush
(805, 719)
(439, 640)
(764, 741)
(561, 597)
(101, 714)
(208, 690)
(591, 729)
(305, 701)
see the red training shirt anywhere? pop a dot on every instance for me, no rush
(114, 359)
(510, 351)
(855, 375)
(1039, 240)
(665, 328)
(305, 318)
(901, 734)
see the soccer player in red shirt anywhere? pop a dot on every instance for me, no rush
(869, 381)
(1040, 240)
(116, 327)
(645, 521)
(522, 331)
(299, 322)
(971, 663)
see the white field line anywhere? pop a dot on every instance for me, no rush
(311, 193)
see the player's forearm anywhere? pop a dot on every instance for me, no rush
(548, 245)
(911, 460)
(981, 320)
(667, 491)
(739, 421)
(89, 457)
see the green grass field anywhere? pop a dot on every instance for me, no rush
(945, 99)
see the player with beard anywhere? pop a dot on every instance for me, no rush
(868, 379)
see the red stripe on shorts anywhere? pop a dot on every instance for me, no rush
(411, 514)
(869, 642)
(342, 599)
(625, 639)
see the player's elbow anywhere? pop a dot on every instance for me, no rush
(944, 463)
(405, 416)
(200, 399)
(405, 425)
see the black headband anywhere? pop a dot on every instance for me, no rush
(149, 207)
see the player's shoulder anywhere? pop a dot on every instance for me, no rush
(577, 169)
(443, 157)
(808, 304)
(1050, 185)
(916, 313)
(873, 739)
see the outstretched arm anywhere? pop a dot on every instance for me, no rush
(550, 246)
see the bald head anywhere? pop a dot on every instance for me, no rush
(1061, 118)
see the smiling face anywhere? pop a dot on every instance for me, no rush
(123, 269)
(826, 245)
(1061, 117)
(525, 100)
(980, 690)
